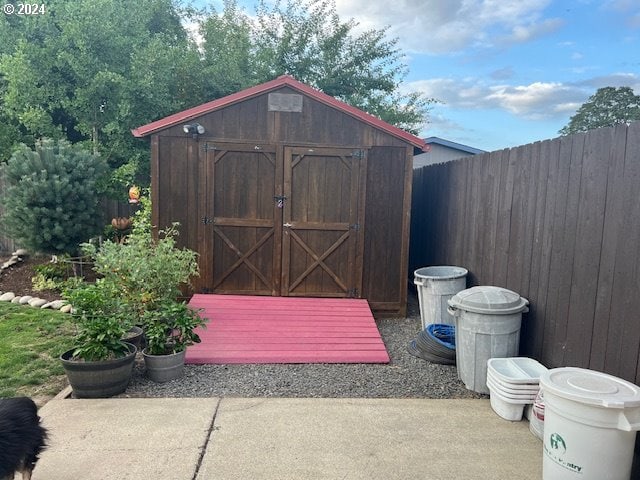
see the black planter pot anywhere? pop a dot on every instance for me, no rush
(99, 379)
(134, 336)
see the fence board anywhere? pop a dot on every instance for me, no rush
(587, 247)
(626, 302)
(550, 155)
(561, 187)
(508, 168)
(491, 165)
(607, 333)
(559, 222)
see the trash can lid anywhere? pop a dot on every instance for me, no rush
(487, 299)
(590, 387)
(440, 272)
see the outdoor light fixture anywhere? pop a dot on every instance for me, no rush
(194, 129)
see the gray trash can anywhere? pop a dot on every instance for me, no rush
(488, 321)
(436, 285)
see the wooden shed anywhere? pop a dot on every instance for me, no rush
(286, 191)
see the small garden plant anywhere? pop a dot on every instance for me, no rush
(170, 328)
(100, 319)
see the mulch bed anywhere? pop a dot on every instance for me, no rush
(17, 279)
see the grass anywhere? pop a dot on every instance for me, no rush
(31, 340)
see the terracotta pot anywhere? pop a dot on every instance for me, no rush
(121, 223)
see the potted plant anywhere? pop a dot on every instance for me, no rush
(169, 330)
(146, 269)
(101, 363)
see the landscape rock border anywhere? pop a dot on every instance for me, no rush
(16, 257)
(35, 302)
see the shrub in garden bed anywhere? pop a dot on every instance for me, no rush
(146, 271)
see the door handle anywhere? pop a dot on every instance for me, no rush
(287, 225)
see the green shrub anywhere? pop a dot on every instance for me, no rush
(100, 319)
(145, 270)
(51, 276)
(51, 203)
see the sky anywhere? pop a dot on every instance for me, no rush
(505, 72)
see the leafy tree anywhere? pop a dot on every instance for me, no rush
(91, 70)
(227, 51)
(309, 41)
(51, 204)
(607, 107)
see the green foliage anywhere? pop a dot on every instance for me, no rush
(101, 321)
(227, 51)
(145, 271)
(49, 276)
(309, 41)
(91, 70)
(606, 108)
(51, 203)
(52, 270)
(170, 328)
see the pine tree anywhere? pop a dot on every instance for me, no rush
(50, 200)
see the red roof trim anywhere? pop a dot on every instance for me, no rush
(284, 80)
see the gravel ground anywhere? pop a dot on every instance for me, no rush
(404, 377)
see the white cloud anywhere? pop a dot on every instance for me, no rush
(535, 101)
(436, 26)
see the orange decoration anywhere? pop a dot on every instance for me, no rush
(134, 194)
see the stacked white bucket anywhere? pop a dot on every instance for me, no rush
(513, 384)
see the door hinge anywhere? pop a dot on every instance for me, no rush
(355, 226)
(208, 146)
(206, 220)
(359, 154)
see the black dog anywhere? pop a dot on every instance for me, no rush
(22, 438)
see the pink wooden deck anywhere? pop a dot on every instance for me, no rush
(253, 329)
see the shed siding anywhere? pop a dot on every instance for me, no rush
(181, 171)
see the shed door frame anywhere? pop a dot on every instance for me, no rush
(343, 236)
(282, 226)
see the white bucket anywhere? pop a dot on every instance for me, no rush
(436, 285)
(506, 391)
(590, 425)
(516, 370)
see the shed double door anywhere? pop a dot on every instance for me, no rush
(286, 220)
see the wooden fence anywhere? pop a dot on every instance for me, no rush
(556, 221)
(7, 245)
